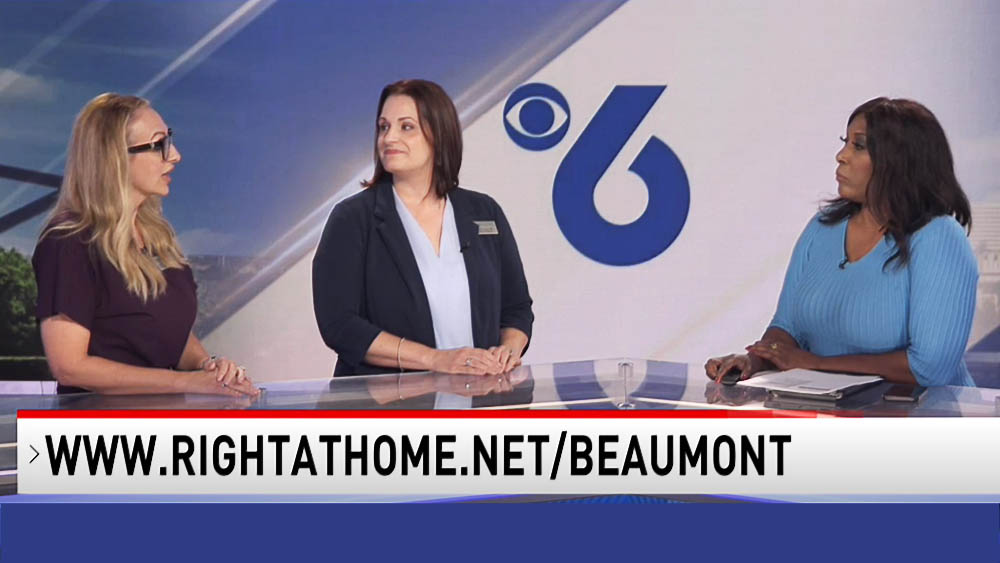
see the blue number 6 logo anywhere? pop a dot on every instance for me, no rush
(589, 158)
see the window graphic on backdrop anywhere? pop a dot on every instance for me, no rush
(537, 117)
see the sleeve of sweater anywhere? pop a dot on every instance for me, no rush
(943, 280)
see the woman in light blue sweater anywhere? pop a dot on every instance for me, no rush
(883, 279)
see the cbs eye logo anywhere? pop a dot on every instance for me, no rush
(537, 116)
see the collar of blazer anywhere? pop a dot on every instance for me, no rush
(390, 227)
(465, 222)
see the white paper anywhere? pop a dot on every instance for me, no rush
(808, 382)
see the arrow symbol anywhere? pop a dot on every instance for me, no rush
(36, 453)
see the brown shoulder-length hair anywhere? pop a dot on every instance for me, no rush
(913, 173)
(440, 125)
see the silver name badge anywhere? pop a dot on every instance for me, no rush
(487, 227)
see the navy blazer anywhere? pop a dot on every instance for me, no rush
(366, 280)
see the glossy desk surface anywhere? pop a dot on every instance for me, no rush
(592, 384)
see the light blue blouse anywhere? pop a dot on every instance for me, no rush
(925, 307)
(447, 285)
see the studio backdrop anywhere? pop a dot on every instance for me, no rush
(656, 160)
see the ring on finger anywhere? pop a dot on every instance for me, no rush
(468, 362)
(774, 345)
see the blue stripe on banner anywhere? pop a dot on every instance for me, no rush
(130, 532)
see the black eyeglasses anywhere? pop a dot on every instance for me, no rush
(163, 145)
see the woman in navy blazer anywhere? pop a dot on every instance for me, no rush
(369, 293)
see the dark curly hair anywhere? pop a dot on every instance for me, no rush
(913, 174)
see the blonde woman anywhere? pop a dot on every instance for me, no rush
(116, 298)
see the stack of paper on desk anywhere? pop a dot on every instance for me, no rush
(809, 382)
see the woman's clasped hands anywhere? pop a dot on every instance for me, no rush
(227, 378)
(475, 361)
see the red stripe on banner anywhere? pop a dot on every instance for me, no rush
(446, 414)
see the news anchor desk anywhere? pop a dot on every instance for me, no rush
(593, 384)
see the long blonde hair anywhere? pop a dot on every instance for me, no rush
(95, 194)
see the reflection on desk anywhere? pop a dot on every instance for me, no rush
(591, 384)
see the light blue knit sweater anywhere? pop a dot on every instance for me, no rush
(925, 308)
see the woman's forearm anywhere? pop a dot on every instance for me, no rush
(893, 366)
(66, 344)
(115, 378)
(389, 351)
(514, 339)
(194, 355)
